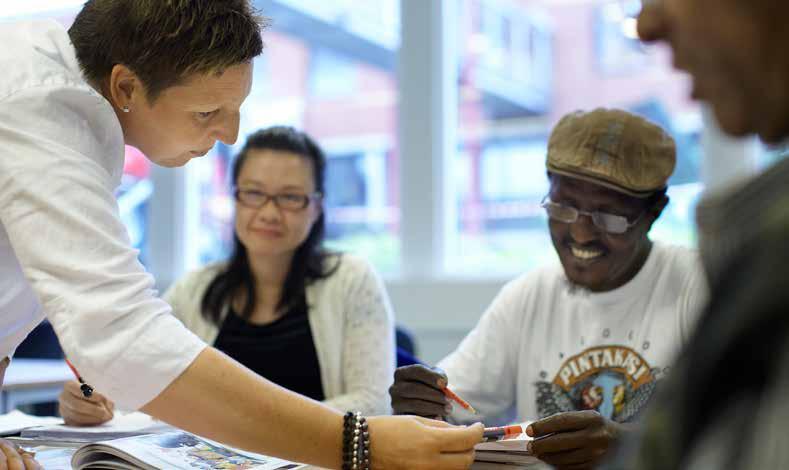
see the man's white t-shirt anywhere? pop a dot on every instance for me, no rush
(545, 346)
(64, 252)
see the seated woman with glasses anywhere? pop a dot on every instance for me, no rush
(315, 322)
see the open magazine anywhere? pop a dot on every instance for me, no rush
(176, 450)
(509, 449)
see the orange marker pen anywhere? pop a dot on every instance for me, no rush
(494, 433)
(453, 396)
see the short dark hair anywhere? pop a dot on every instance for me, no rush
(165, 41)
(310, 260)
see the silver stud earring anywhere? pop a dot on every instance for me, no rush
(125, 109)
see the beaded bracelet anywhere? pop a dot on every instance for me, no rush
(355, 442)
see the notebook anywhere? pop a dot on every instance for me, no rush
(123, 425)
(477, 465)
(511, 449)
(177, 450)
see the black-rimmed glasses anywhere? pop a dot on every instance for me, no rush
(611, 223)
(256, 199)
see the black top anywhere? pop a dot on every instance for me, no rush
(282, 351)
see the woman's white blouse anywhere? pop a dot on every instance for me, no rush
(64, 252)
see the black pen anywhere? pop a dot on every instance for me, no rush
(87, 390)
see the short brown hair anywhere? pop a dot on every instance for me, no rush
(165, 41)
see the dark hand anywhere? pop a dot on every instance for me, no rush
(574, 440)
(417, 391)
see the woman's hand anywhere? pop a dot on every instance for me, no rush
(12, 457)
(77, 410)
(413, 443)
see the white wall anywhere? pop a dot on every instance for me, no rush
(440, 313)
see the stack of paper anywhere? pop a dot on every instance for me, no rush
(16, 421)
(128, 425)
(510, 449)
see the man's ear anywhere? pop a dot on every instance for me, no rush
(656, 210)
(661, 204)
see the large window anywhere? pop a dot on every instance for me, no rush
(524, 64)
(134, 195)
(328, 69)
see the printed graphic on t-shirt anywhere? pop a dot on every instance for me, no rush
(613, 380)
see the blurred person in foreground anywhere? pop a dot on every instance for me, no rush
(726, 405)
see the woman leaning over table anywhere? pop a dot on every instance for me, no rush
(314, 322)
(168, 77)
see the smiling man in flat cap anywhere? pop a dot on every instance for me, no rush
(580, 345)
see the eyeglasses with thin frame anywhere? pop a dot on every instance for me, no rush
(294, 202)
(611, 223)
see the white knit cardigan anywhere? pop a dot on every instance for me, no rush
(352, 325)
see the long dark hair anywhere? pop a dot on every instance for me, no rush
(310, 260)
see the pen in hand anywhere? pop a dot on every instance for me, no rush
(87, 390)
(454, 397)
(502, 431)
(422, 390)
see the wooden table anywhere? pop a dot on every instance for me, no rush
(29, 381)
